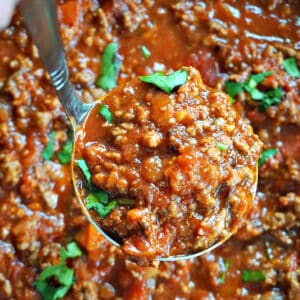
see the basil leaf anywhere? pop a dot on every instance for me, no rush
(222, 147)
(81, 163)
(48, 151)
(64, 156)
(110, 67)
(266, 155)
(100, 208)
(71, 251)
(145, 51)
(232, 88)
(105, 113)
(290, 66)
(166, 83)
(253, 276)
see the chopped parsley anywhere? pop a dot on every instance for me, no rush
(266, 155)
(145, 51)
(102, 209)
(48, 151)
(265, 99)
(222, 147)
(225, 267)
(82, 165)
(253, 276)
(105, 113)
(233, 88)
(166, 83)
(71, 251)
(97, 199)
(290, 66)
(64, 156)
(110, 67)
(60, 274)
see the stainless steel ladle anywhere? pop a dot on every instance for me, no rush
(40, 17)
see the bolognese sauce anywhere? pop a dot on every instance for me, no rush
(184, 159)
(40, 219)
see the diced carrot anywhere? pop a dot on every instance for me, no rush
(89, 238)
(69, 12)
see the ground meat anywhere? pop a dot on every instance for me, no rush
(172, 160)
(222, 39)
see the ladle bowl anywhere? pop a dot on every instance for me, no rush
(41, 20)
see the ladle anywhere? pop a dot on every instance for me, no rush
(42, 22)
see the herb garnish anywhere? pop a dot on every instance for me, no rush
(81, 163)
(61, 273)
(266, 99)
(233, 88)
(166, 83)
(103, 209)
(222, 147)
(222, 276)
(145, 51)
(64, 156)
(266, 155)
(105, 112)
(253, 276)
(48, 151)
(97, 199)
(110, 67)
(290, 65)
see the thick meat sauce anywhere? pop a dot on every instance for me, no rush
(39, 215)
(187, 161)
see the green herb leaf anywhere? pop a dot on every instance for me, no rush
(266, 99)
(231, 100)
(48, 151)
(222, 147)
(266, 155)
(233, 88)
(102, 209)
(110, 67)
(64, 156)
(71, 251)
(252, 82)
(145, 51)
(272, 97)
(81, 163)
(62, 274)
(105, 113)
(101, 196)
(253, 276)
(167, 83)
(290, 65)
(222, 276)
(255, 79)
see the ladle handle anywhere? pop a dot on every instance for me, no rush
(40, 17)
